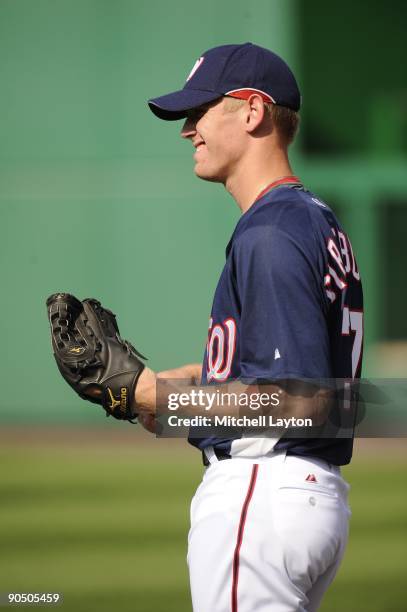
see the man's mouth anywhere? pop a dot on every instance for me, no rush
(198, 145)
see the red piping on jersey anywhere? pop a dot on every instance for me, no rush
(285, 180)
(239, 541)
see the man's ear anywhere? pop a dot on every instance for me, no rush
(254, 112)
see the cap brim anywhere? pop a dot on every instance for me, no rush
(175, 105)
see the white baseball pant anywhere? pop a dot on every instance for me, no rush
(267, 535)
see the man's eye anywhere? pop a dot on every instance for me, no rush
(197, 113)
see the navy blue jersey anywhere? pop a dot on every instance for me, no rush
(288, 304)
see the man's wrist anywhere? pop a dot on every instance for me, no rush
(145, 391)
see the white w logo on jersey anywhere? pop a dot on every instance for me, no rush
(220, 360)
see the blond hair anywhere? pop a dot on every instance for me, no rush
(285, 120)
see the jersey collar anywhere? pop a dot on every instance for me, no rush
(287, 181)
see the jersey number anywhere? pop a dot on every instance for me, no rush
(353, 322)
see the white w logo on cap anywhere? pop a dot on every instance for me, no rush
(195, 67)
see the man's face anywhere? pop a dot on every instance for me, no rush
(217, 135)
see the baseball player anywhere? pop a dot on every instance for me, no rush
(269, 522)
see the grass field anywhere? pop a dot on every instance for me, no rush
(104, 522)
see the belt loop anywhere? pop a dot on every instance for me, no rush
(210, 454)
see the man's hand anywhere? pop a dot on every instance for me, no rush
(148, 422)
(190, 372)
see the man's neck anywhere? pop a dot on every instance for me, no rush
(246, 183)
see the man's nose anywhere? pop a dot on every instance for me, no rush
(189, 128)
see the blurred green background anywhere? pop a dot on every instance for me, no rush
(98, 198)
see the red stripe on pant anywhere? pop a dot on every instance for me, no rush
(240, 532)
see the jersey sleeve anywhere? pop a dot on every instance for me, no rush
(283, 327)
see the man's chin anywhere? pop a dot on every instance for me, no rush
(207, 175)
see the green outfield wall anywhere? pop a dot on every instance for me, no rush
(98, 197)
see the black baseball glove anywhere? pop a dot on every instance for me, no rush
(91, 355)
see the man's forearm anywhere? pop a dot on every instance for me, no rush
(146, 389)
(154, 392)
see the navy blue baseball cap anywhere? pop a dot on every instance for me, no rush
(231, 70)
